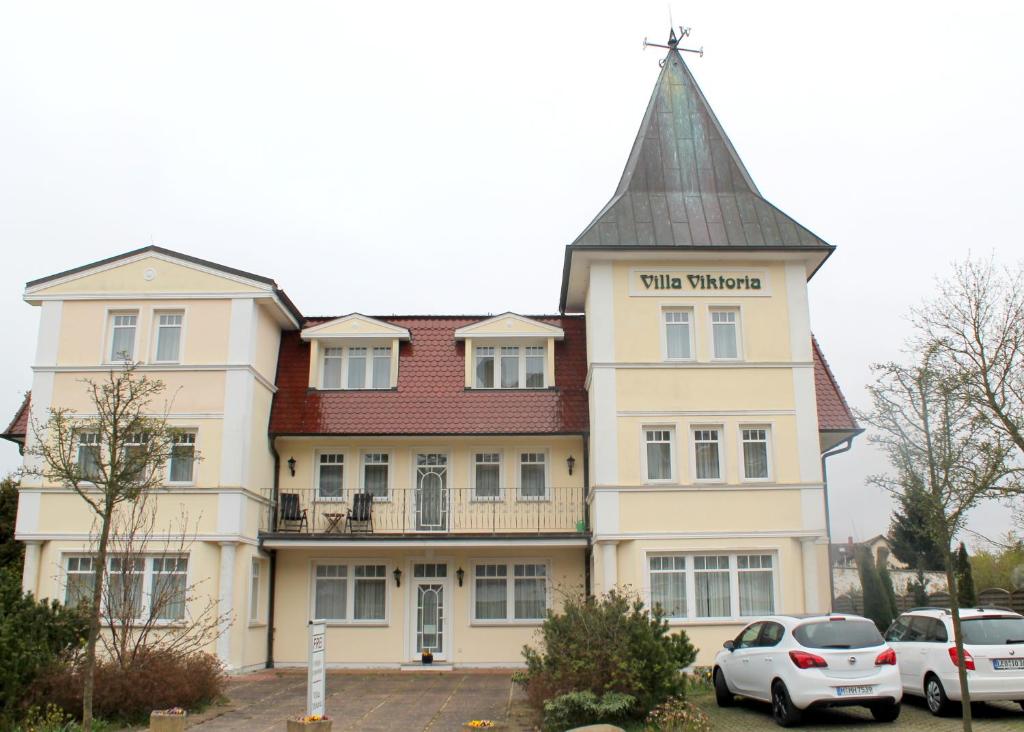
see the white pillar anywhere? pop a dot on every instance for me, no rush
(227, 596)
(609, 566)
(812, 594)
(30, 573)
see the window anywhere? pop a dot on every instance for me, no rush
(167, 587)
(755, 453)
(357, 367)
(711, 580)
(122, 336)
(376, 467)
(330, 475)
(331, 591)
(168, 337)
(533, 475)
(668, 584)
(124, 588)
(756, 584)
(484, 367)
(89, 455)
(678, 334)
(356, 592)
(658, 454)
(509, 367)
(381, 367)
(183, 455)
(707, 454)
(487, 476)
(81, 581)
(370, 591)
(725, 333)
(254, 592)
(135, 450)
(748, 636)
(331, 372)
(535, 367)
(771, 635)
(495, 584)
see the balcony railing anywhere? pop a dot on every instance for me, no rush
(434, 510)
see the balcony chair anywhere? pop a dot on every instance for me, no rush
(360, 515)
(292, 517)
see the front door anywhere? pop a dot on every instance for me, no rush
(430, 610)
(431, 504)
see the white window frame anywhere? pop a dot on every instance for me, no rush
(255, 592)
(108, 356)
(739, 331)
(673, 470)
(66, 572)
(350, 590)
(768, 452)
(519, 473)
(346, 349)
(510, 596)
(663, 328)
(195, 463)
(316, 475)
(694, 428)
(473, 453)
(497, 347)
(734, 585)
(147, 583)
(156, 335)
(79, 445)
(362, 473)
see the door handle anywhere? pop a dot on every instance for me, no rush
(767, 660)
(746, 660)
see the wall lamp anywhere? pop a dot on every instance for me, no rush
(398, 577)
(291, 466)
(570, 462)
(460, 573)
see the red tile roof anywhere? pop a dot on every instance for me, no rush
(18, 427)
(431, 397)
(833, 411)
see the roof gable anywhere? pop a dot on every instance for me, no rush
(355, 325)
(509, 325)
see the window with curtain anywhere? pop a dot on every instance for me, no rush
(711, 586)
(659, 454)
(122, 336)
(530, 591)
(331, 588)
(668, 584)
(80, 580)
(381, 367)
(134, 457)
(124, 587)
(532, 475)
(89, 454)
(757, 584)
(167, 587)
(369, 592)
(183, 455)
(330, 373)
(375, 473)
(534, 367)
(491, 592)
(330, 474)
(254, 591)
(487, 475)
(168, 337)
(509, 367)
(356, 368)
(755, 453)
(725, 333)
(484, 367)
(677, 334)
(707, 454)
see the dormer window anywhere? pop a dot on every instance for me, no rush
(510, 352)
(354, 352)
(509, 367)
(356, 367)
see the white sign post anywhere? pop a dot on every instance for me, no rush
(316, 686)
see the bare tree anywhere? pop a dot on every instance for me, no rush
(942, 452)
(109, 458)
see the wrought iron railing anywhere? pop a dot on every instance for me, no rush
(435, 511)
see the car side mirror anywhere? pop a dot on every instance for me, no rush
(729, 646)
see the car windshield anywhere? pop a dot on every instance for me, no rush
(993, 631)
(838, 634)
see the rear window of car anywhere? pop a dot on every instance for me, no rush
(994, 631)
(838, 634)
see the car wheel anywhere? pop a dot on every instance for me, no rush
(887, 712)
(785, 714)
(723, 696)
(935, 696)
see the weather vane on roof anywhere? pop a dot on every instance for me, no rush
(673, 42)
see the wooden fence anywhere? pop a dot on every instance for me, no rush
(853, 602)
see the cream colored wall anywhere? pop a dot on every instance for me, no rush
(268, 343)
(131, 277)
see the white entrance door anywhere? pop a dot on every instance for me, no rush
(430, 599)
(431, 503)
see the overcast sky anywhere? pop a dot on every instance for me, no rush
(411, 157)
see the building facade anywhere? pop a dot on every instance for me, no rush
(435, 482)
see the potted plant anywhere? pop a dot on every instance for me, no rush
(426, 656)
(310, 723)
(168, 720)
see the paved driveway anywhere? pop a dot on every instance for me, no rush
(369, 701)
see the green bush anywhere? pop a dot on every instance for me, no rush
(604, 644)
(54, 719)
(678, 715)
(579, 708)
(34, 636)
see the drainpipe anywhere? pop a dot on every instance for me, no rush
(272, 584)
(846, 445)
(586, 514)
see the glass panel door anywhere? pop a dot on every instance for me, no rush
(431, 503)
(430, 617)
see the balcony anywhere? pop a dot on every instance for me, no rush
(431, 512)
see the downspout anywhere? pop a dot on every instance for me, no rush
(847, 444)
(588, 552)
(272, 584)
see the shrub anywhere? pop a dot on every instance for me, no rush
(678, 715)
(156, 679)
(579, 708)
(876, 606)
(34, 635)
(607, 643)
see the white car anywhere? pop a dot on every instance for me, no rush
(800, 662)
(993, 655)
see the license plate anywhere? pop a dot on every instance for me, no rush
(854, 690)
(1005, 664)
